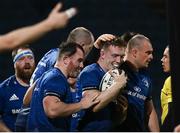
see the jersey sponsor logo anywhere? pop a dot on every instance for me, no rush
(15, 111)
(13, 98)
(135, 94)
(74, 115)
(137, 89)
(25, 111)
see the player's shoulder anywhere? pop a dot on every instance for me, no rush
(48, 59)
(7, 84)
(168, 82)
(91, 68)
(52, 51)
(8, 81)
(50, 54)
(53, 74)
(168, 79)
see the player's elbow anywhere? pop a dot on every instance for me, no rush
(50, 112)
(49, 109)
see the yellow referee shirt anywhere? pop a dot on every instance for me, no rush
(166, 97)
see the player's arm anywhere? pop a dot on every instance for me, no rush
(28, 34)
(28, 96)
(177, 128)
(3, 127)
(103, 38)
(54, 107)
(153, 123)
(110, 94)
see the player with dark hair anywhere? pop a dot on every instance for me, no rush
(52, 104)
(79, 35)
(127, 36)
(167, 122)
(98, 118)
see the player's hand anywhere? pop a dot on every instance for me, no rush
(120, 79)
(88, 100)
(103, 38)
(58, 19)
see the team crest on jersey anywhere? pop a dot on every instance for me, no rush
(146, 83)
(13, 98)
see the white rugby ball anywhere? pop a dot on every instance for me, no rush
(108, 79)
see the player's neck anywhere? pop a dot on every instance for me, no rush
(22, 81)
(102, 65)
(133, 64)
(62, 68)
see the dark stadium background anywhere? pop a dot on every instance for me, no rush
(100, 16)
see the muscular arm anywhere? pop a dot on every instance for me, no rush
(105, 97)
(153, 120)
(29, 34)
(28, 95)
(54, 107)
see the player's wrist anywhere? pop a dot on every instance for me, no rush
(96, 45)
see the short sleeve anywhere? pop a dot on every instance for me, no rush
(89, 80)
(56, 86)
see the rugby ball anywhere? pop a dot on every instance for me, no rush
(108, 79)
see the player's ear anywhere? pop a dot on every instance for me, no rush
(134, 52)
(102, 53)
(66, 60)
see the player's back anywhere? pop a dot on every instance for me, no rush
(47, 62)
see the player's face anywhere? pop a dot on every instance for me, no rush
(113, 56)
(144, 55)
(76, 63)
(24, 67)
(166, 60)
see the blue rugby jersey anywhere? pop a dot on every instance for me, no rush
(138, 90)
(53, 82)
(90, 78)
(76, 96)
(21, 120)
(47, 62)
(11, 98)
